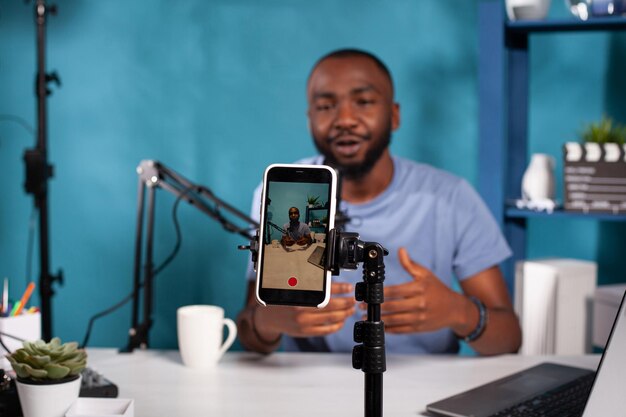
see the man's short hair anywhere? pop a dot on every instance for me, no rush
(353, 52)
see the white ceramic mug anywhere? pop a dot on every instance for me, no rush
(200, 334)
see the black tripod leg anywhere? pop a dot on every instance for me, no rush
(370, 355)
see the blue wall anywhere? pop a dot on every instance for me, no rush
(293, 194)
(215, 90)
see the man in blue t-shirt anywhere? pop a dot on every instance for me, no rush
(296, 231)
(435, 226)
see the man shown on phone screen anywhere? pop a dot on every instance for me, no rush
(435, 226)
(297, 232)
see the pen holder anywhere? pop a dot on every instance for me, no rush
(24, 326)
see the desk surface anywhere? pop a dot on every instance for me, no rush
(280, 265)
(297, 384)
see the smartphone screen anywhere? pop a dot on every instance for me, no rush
(297, 211)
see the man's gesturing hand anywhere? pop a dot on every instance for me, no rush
(307, 321)
(424, 304)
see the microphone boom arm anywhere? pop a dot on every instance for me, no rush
(152, 175)
(155, 174)
(277, 227)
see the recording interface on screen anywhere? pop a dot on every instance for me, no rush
(295, 235)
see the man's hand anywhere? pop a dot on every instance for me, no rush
(424, 304)
(287, 241)
(306, 321)
(304, 240)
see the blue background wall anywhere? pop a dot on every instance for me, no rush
(286, 195)
(215, 90)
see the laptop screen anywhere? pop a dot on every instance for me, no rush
(608, 394)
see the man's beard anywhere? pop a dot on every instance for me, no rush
(357, 170)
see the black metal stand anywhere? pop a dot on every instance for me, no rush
(346, 251)
(38, 171)
(153, 174)
(369, 356)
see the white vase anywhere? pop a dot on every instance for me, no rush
(527, 9)
(538, 179)
(51, 400)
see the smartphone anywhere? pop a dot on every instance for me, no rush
(298, 206)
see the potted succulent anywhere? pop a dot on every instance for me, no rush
(312, 200)
(594, 170)
(48, 376)
(604, 131)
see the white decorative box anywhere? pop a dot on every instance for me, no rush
(606, 302)
(102, 407)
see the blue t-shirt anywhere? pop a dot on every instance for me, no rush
(302, 229)
(443, 224)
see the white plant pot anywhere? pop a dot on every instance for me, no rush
(51, 400)
(527, 9)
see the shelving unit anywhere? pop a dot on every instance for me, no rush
(308, 217)
(503, 116)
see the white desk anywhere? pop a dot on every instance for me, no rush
(287, 384)
(281, 264)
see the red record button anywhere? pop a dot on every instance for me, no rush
(293, 281)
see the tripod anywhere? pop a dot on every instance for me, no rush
(346, 251)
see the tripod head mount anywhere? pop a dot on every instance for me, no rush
(345, 251)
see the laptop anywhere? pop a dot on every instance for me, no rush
(318, 257)
(542, 389)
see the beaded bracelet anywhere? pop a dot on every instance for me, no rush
(482, 321)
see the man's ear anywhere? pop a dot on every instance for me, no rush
(395, 116)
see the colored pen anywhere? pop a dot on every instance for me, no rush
(15, 308)
(25, 297)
